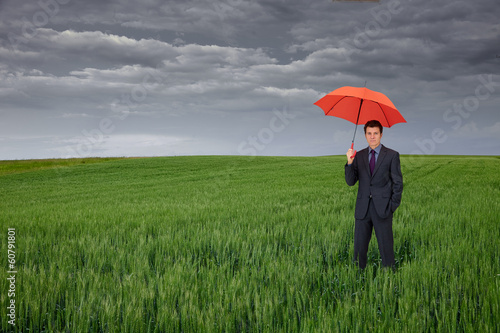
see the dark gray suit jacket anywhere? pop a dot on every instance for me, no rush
(385, 186)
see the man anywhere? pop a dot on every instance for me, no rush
(378, 171)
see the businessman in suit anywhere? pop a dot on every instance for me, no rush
(378, 171)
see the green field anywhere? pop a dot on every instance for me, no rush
(239, 244)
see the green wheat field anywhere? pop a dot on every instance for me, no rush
(240, 244)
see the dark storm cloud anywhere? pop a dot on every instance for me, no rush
(206, 76)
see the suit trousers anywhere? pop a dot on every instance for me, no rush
(383, 232)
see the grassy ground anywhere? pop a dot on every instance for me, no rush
(20, 166)
(238, 244)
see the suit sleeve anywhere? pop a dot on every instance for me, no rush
(351, 173)
(397, 182)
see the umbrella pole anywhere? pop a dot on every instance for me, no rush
(355, 129)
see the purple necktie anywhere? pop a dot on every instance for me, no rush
(372, 162)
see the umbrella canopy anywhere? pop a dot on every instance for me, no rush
(359, 105)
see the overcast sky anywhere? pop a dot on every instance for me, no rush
(83, 78)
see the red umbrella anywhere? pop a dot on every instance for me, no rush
(359, 105)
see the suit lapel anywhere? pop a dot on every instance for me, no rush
(364, 160)
(380, 158)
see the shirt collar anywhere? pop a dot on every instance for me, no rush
(377, 150)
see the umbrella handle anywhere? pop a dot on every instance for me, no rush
(352, 146)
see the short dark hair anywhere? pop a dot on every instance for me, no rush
(374, 123)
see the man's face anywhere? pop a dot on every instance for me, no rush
(373, 136)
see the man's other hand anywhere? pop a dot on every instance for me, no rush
(350, 155)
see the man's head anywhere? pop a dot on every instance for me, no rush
(373, 133)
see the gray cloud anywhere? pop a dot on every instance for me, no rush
(198, 77)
